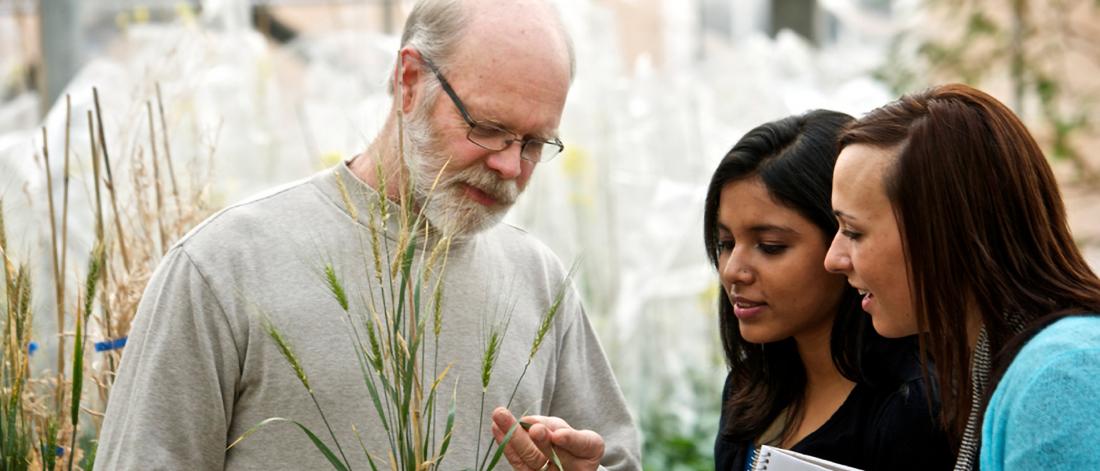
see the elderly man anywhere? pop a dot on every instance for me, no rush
(481, 85)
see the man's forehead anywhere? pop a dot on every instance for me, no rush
(515, 31)
(511, 93)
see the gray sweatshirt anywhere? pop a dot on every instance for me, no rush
(199, 369)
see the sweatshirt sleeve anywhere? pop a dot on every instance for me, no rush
(1045, 417)
(172, 401)
(588, 397)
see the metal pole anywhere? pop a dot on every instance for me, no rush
(60, 57)
(387, 16)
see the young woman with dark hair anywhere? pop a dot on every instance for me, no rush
(952, 226)
(807, 372)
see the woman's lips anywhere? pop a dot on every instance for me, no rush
(745, 309)
(868, 299)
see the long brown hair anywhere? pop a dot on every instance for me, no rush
(982, 225)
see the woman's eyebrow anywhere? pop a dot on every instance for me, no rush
(771, 228)
(843, 215)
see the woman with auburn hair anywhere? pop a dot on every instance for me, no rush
(807, 371)
(952, 226)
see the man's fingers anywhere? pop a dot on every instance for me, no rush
(503, 418)
(540, 436)
(521, 450)
(513, 459)
(583, 444)
(553, 423)
(502, 421)
(526, 450)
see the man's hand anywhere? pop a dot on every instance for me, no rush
(529, 450)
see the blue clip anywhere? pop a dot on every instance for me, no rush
(108, 345)
(32, 347)
(59, 451)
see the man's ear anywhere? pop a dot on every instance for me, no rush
(407, 74)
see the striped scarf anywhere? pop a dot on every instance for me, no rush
(980, 367)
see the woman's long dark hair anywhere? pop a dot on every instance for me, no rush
(794, 158)
(981, 222)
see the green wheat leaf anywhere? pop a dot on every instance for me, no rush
(503, 444)
(324, 449)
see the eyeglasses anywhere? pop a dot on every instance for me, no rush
(490, 137)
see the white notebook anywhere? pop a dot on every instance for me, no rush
(778, 459)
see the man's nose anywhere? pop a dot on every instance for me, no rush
(507, 162)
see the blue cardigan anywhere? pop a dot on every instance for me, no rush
(1045, 413)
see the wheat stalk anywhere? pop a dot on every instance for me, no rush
(110, 181)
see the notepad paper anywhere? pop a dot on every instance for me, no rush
(778, 459)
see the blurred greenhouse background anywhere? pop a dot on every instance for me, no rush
(272, 91)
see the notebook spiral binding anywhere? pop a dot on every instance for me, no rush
(761, 460)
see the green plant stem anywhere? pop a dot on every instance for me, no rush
(509, 407)
(95, 267)
(435, 376)
(480, 422)
(329, 427)
(516, 388)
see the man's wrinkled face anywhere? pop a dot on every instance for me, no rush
(524, 95)
(458, 199)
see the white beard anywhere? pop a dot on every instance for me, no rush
(447, 207)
